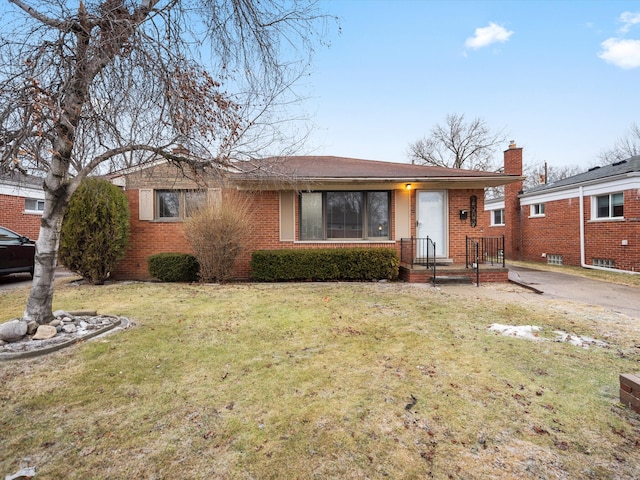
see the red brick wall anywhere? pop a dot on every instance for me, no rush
(512, 214)
(460, 229)
(149, 237)
(604, 239)
(13, 216)
(558, 232)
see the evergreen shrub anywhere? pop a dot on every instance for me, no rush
(173, 267)
(95, 230)
(344, 264)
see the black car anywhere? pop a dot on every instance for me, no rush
(16, 253)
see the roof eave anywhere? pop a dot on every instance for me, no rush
(585, 183)
(400, 182)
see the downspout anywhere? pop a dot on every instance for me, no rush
(582, 248)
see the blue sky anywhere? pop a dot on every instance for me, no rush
(562, 78)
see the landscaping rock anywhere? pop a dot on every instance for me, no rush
(32, 326)
(44, 332)
(13, 330)
(69, 328)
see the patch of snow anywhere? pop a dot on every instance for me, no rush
(529, 332)
(577, 340)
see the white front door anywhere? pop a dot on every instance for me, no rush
(432, 221)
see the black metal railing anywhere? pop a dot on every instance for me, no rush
(490, 251)
(419, 251)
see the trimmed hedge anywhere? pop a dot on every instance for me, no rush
(350, 264)
(173, 267)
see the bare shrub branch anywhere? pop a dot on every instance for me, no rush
(218, 232)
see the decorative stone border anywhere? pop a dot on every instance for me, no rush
(7, 356)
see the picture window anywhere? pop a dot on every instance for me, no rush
(357, 215)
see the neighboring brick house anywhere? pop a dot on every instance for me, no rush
(311, 202)
(21, 203)
(591, 219)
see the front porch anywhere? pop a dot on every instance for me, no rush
(484, 262)
(453, 273)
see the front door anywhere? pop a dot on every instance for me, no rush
(432, 222)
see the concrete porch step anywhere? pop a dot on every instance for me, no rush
(453, 280)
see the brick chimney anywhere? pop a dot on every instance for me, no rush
(512, 230)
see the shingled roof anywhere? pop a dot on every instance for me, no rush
(628, 167)
(328, 169)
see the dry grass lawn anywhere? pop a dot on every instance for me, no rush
(304, 381)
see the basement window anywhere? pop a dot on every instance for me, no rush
(604, 262)
(553, 259)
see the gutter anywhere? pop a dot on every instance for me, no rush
(582, 246)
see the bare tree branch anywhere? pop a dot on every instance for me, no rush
(458, 144)
(110, 83)
(626, 146)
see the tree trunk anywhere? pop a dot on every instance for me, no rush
(40, 303)
(57, 193)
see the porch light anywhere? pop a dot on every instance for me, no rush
(407, 186)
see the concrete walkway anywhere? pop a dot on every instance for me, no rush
(617, 298)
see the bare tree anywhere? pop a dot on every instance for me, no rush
(626, 146)
(458, 144)
(541, 173)
(89, 84)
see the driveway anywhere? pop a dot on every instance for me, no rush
(17, 280)
(613, 297)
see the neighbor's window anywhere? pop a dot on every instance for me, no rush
(344, 215)
(604, 262)
(536, 210)
(34, 204)
(497, 217)
(610, 206)
(177, 204)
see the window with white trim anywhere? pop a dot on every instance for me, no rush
(536, 210)
(344, 215)
(33, 205)
(497, 217)
(608, 206)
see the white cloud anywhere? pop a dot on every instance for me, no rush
(483, 37)
(629, 19)
(621, 53)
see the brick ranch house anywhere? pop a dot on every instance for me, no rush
(21, 203)
(591, 219)
(303, 202)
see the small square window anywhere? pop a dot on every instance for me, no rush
(553, 259)
(537, 210)
(497, 217)
(609, 206)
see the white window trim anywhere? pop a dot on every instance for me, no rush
(31, 211)
(594, 208)
(493, 217)
(532, 208)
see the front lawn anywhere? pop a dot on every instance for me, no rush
(361, 380)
